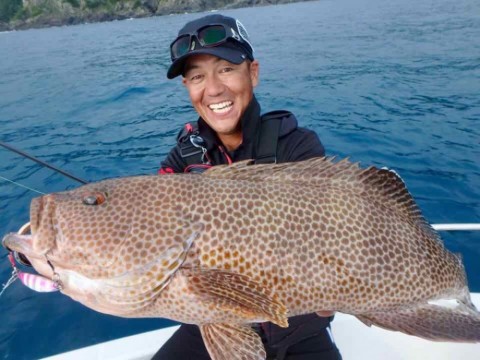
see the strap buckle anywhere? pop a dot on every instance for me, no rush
(198, 142)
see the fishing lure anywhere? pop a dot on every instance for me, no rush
(35, 282)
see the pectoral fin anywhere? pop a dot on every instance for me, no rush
(431, 322)
(232, 342)
(237, 293)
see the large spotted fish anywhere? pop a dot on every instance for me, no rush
(243, 244)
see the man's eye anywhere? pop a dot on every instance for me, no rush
(196, 78)
(226, 69)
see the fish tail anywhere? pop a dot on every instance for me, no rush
(434, 321)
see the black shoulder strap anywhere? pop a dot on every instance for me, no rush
(266, 149)
(192, 146)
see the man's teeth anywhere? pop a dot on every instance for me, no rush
(222, 107)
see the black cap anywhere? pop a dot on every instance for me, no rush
(235, 51)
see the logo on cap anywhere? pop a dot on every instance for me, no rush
(243, 33)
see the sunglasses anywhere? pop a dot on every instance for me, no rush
(207, 36)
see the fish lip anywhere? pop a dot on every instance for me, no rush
(25, 237)
(18, 243)
(4, 243)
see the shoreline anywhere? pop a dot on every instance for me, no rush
(167, 8)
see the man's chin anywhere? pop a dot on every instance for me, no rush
(225, 126)
(228, 131)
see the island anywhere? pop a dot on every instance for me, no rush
(26, 14)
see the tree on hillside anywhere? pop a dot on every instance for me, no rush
(8, 9)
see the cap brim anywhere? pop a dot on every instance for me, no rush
(233, 55)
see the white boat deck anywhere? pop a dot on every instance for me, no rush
(355, 340)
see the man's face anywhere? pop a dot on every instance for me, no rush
(219, 90)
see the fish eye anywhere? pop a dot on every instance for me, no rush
(97, 198)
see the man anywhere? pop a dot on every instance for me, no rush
(215, 58)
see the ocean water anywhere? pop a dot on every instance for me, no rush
(387, 83)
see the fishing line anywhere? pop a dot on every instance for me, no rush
(23, 186)
(10, 281)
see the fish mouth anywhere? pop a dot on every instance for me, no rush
(18, 243)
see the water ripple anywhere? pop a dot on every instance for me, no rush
(386, 83)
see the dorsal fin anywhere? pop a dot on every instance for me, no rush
(307, 172)
(381, 185)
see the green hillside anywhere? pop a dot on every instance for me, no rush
(18, 14)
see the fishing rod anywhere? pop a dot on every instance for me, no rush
(41, 162)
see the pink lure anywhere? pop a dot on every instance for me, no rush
(37, 282)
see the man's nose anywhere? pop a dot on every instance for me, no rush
(214, 86)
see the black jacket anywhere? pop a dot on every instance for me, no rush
(294, 143)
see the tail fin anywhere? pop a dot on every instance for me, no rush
(460, 323)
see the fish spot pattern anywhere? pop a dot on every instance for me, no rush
(318, 235)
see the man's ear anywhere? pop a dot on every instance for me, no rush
(184, 81)
(254, 71)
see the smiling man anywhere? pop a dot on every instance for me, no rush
(220, 91)
(215, 58)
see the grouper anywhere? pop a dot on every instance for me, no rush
(244, 244)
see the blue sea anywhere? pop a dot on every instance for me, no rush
(385, 82)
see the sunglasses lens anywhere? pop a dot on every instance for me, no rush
(212, 35)
(180, 47)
